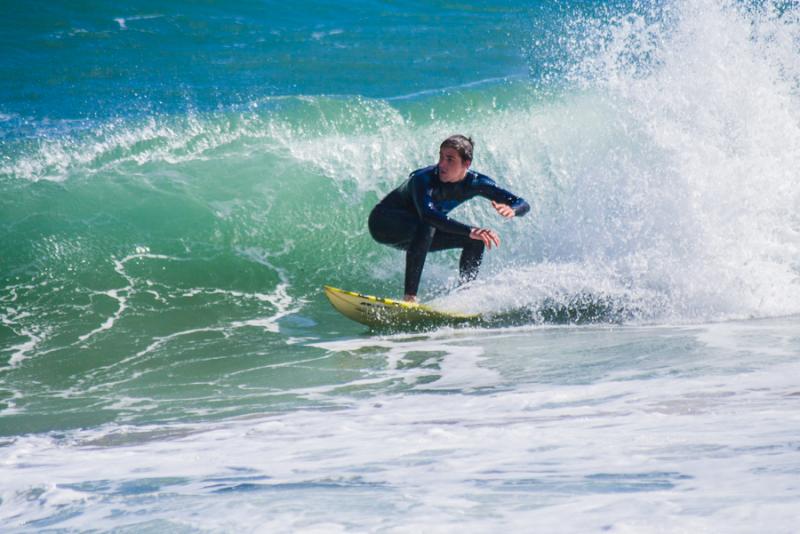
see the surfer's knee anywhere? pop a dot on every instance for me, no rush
(424, 231)
(384, 229)
(373, 225)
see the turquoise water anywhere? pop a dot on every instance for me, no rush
(179, 180)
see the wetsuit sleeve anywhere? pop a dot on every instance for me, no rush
(423, 202)
(486, 188)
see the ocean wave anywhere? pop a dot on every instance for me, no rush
(661, 174)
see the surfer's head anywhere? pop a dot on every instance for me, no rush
(461, 144)
(455, 157)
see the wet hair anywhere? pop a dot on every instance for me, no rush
(461, 144)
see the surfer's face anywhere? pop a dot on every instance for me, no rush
(451, 167)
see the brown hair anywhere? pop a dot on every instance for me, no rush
(461, 144)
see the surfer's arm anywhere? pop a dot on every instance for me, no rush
(486, 188)
(427, 211)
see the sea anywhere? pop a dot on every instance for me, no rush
(180, 179)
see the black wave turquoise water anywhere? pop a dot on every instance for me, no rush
(178, 181)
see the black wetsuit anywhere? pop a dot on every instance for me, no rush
(414, 218)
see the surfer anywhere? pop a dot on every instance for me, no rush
(414, 217)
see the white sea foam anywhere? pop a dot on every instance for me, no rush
(112, 145)
(679, 445)
(123, 21)
(318, 36)
(121, 295)
(18, 321)
(278, 302)
(281, 298)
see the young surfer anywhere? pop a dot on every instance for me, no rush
(414, 217)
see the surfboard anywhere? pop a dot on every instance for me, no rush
(383, 313)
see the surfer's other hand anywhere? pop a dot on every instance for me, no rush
(503, 209)
(489, 237)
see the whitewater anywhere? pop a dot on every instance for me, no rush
(168, 361)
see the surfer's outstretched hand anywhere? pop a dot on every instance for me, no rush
(489, 237)
(503, 209)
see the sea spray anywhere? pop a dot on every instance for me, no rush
(669, 167)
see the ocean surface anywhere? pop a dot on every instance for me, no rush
(179, 179)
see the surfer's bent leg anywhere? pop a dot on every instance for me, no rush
(471, 253)
(392, 227)
(403, 230)
(470, 261)
(415, 256)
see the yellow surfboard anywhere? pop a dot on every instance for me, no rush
(377, 312)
